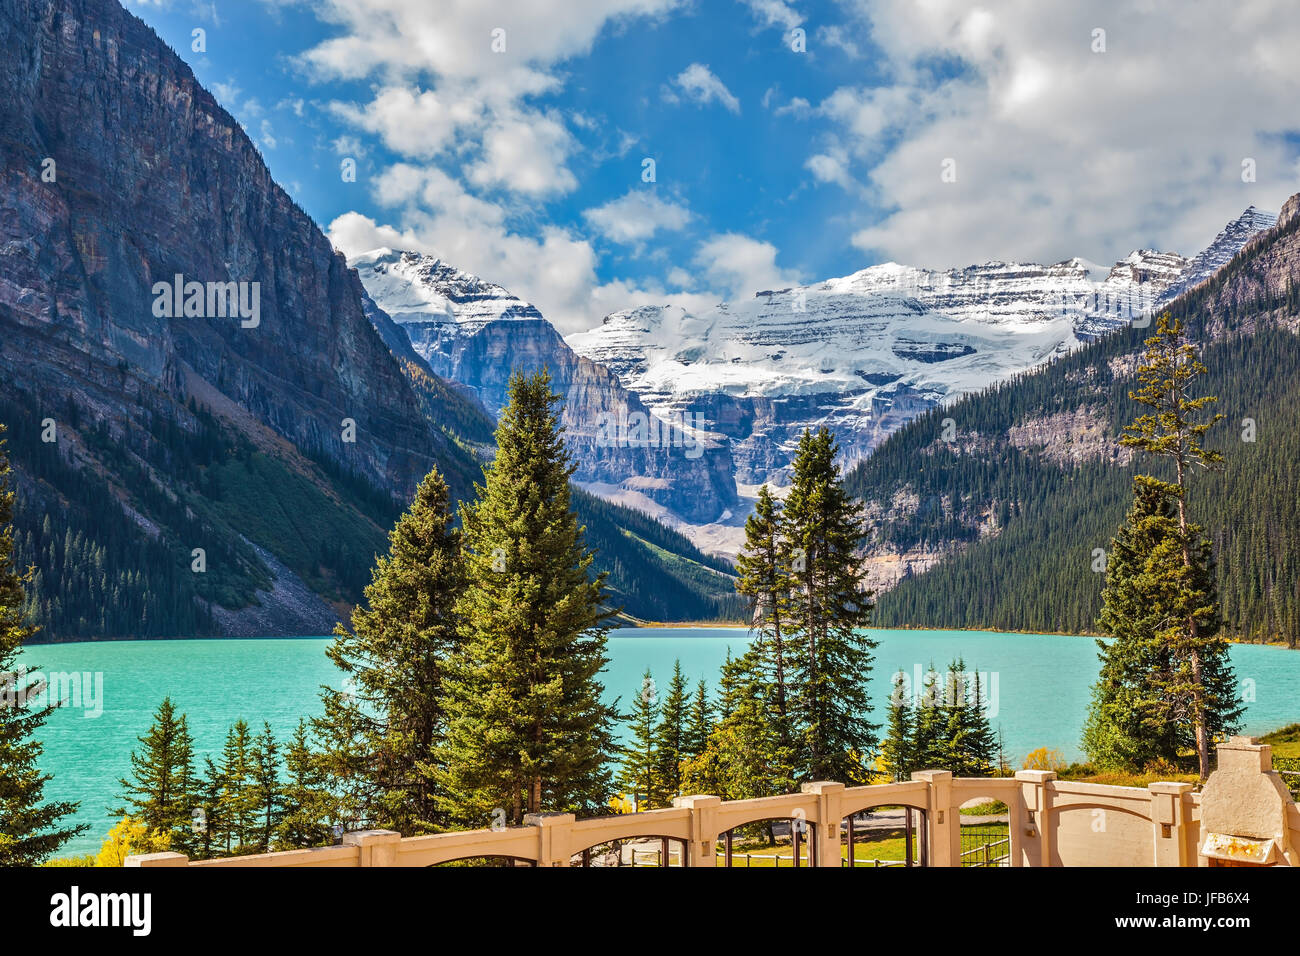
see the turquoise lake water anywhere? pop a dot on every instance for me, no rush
(1038, 688)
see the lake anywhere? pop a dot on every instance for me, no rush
(1038, 687)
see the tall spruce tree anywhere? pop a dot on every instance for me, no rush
(929, 744)
(982, 746)
(384, 732)
(307, 804)
(237, 809)
(700, 723)
(896, 748)
(670, 737)
(1198, 677)
(829, 604)
(742, 758)
(1128, 724)
(528, 731)
(967, 738)
(30, 829)
(763, 576)
(639, 772)
(161, 792)
(265, 794)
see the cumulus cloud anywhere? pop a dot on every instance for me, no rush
(741, 265)
(455, 98)
(774, 13)
(555, 270)
(1060, 149)
(699, 84)
(637, 216)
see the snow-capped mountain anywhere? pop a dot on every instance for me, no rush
(865, 353)
(1218, 253)
(760, 371)
(736, 385)
(475, 333)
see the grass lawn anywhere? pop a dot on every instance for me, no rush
(1285, 742)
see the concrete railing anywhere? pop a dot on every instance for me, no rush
(1050, 822)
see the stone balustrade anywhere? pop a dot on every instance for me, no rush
(1051, 822)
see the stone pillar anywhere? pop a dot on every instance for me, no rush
(554, 837)
(157, 859)
(1246, 809)
(943, 822)
(830, 813)
(377, 847)
(1169, 823)
(1036, 825)
(702, 847)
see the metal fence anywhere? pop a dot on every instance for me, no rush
(985, 846)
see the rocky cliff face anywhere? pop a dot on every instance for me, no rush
(477, 334)
(121, 174)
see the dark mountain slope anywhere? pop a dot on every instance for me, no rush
(1033, 479)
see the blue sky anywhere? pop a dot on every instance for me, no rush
(772, 165)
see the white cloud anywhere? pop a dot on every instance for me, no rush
(831, 166)
(774, 13)
(1060, 150)
(348, 146)
(697, 82)
(525, 152)
(637, 216)
(556, 270)
(741, 265)
(798, 107)
(839, 38)
(407, 39)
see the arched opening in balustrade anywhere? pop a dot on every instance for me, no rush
(640, 850)
(985, 823)
(480, 859)
(885, 835)
(802, 845)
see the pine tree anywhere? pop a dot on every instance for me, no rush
(1128, 726)
(742, 758)
(670, 738)
(828, 605)
(264, 787)
(929, 744)
(235, 803)
(161, 791)
(528, 731)
(384, 733)
(30, 830)
(211, 823)
(763, 576)
(981, 743)
(730, 677)
(967, 739)
(307, 806)
(700, 723)
(896, 749)
(1199, 677)
(639, 776)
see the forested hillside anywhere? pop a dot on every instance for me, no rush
(1027, 479)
